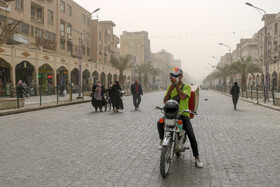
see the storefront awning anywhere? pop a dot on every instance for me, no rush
(18, 39)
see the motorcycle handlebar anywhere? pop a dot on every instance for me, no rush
(188, 111)
(159, 108)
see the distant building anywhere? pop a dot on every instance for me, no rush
(136, 44)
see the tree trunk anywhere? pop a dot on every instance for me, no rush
(121, 79)
(146, 80)
(243, 82)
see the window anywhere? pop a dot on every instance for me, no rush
(39, 15)
(69, 10)
(275, 29)
(50, 16)
(62, 6)
(83, 35)
(39, 33)
(62, 43)
(19, 4)
(88, 21)
(24, 28)
(69, 46)
(50, 36)
(100, 35)
(88, 51)
(32, 31)
(83, 19)
(62, 27)
(32, 12)
(69, 28)
(21, 27)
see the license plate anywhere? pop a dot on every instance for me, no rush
(169, 122)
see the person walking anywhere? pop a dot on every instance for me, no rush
(98, 99)
(234, 91)
(136, 91)
(116, 99)
(20, 89)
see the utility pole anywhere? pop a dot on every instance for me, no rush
(80, 67)
(266, 62)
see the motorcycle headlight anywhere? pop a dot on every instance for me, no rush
(170, 122)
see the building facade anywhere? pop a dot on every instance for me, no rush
(52, 43)
(136, 44)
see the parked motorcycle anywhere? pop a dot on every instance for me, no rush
(174, 134)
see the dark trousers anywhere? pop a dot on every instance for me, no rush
(234, 100)
(136, 100)
(187, 126)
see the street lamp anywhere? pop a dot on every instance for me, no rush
(265, 52)
(96, 10)
(226, 46)
(80, 56)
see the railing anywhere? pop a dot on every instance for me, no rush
(43, 94)
(256, 93)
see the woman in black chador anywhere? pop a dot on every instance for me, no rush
(116, 99)
(98, 99)
(235, 94)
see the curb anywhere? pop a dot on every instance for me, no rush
(254, 102)
(22, 110)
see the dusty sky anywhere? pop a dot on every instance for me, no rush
(189, 29)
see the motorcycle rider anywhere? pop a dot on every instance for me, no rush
(181, 92)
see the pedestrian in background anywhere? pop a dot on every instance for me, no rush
(234, 91)
(20, 89)
(136, 91)
(98, 100)
(116, 99)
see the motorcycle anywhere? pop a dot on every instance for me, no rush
(174, 134)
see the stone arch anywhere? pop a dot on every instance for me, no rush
(115, 77)
(274, 80)
(86, 80)
(25, 71)
(109, 79)
(95, 76)
(46, 78)
(6, 78)
(103, 78)
(75, 76)
(262, 81)
(62, 75)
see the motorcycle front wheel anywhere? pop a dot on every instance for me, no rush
(165, 160)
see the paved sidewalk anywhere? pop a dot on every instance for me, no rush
(33, 103)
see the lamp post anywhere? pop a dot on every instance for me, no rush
(265, 52)
(80, 57)
(226, 46)
(230, 60)
(96, 10)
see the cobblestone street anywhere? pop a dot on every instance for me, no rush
(74, 146)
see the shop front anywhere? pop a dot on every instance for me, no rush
(5, 78)
(26, 73)
(46, 79)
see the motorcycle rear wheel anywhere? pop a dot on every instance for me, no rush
(165, 160)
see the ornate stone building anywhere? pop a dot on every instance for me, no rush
(54, 37)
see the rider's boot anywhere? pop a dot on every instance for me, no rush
(160, 145)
